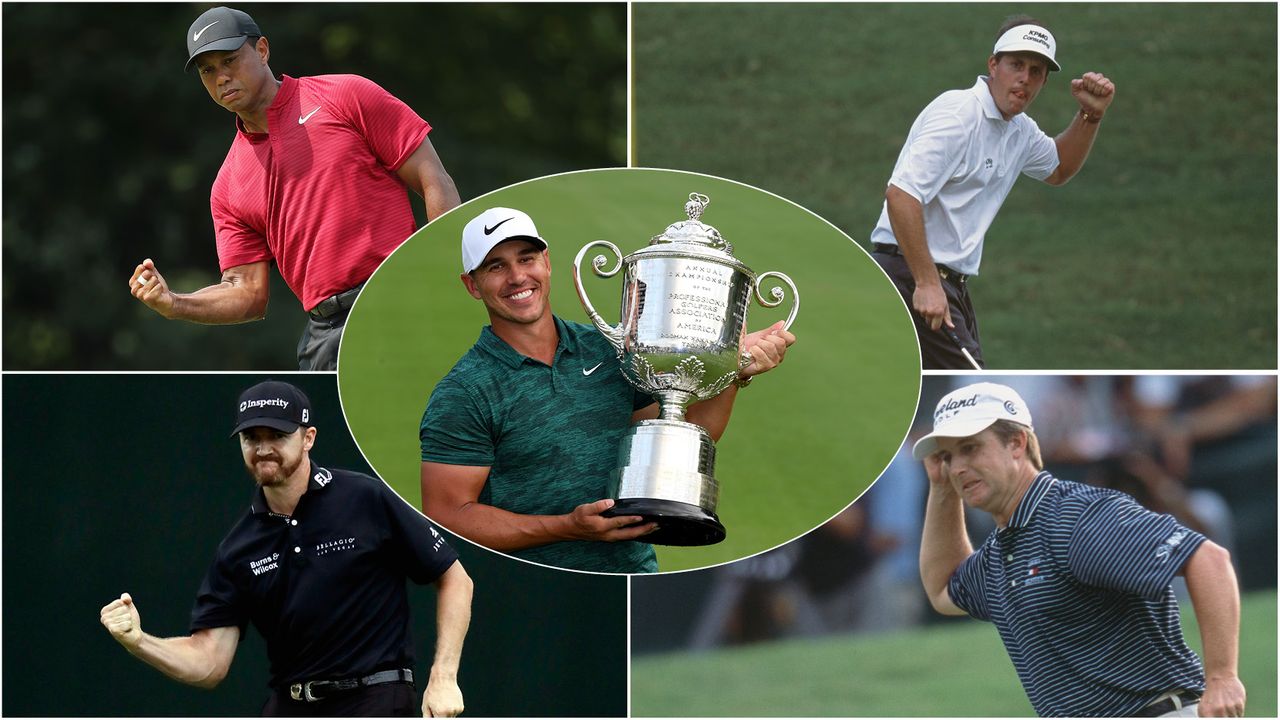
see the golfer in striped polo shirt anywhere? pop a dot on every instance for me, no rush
(1076, 578)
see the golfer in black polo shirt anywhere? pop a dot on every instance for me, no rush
(318, 565)
(1075, 578)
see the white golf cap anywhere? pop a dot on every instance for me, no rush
(969, 411)
(491, 227)
(1029, 38)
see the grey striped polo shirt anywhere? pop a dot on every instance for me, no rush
(548, 434)
(1078, 585)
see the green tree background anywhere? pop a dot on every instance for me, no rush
(110, 150)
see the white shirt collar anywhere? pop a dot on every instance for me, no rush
(983, 92)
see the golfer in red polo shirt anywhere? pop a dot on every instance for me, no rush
(315, 181)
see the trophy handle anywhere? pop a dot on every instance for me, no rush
(775, 299)
(613, 334)
(777, 295)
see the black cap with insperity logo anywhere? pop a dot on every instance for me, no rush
(220, 28)
(273, 404)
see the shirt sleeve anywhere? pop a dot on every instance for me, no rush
(392, 129)
(218, 603)
(1119, 545)
(417, 547)
(641, 400)
(455, 429)
(238, 243)
(966, 587)
(932, 154)
(1042, 154)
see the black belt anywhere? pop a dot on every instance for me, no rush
(314, 690)
(1177, 701)
(944, 272)
(336, 304)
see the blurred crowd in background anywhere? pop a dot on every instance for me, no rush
(1202, 448)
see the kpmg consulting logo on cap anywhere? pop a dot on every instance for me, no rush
(1039, 37)
(1010, 408)
(948, 409)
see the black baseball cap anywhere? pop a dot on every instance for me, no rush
(273, 404)
(220, 28)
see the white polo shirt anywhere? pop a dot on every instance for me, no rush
(960, 161)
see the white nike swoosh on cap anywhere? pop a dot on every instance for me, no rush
(307, 117)
(201, 30)
(597, 367)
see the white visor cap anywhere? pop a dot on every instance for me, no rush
(969, 411)
(493, 226)
(1029, 38)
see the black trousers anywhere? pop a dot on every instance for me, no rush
(398, 699)
(318, 347)
(937, 351)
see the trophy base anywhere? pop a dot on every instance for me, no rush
(678, 523)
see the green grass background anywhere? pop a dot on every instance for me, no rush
(1161, 253)
(804, 440)
(956, 669)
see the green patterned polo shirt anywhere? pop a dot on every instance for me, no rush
(549, 435)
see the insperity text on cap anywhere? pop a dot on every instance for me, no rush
(273, 404)
(220, 28)
(969, 411)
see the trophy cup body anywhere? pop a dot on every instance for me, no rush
(682, 319)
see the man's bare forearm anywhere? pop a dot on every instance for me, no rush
(440, 195)
(943, 545)
(1074, 144)
(906, 217)
(1211, 582)
(223, 304)
(503, 530)
(201, 661)
(453, 617)
(713, 413)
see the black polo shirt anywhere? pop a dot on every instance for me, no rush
(1078, 585)
(325, 586)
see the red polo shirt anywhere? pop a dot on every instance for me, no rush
(318, 193)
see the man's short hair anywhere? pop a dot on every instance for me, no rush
(1006, 429)
(1014, 21)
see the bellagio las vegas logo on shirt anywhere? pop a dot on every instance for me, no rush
(333, 546)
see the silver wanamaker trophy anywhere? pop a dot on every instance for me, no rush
(683, 318)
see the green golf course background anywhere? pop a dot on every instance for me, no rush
(1161, 253)
(951, 669)
(805, 439)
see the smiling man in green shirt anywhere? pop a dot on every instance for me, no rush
(518, 440)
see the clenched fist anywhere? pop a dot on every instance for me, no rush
(1094, 92)
(120, 618)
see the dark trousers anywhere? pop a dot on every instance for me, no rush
(937, 351)
(398, 699)
(318, 347)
